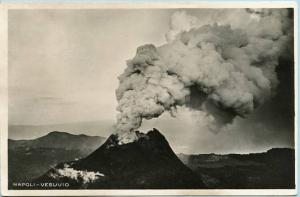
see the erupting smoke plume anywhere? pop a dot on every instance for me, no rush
(223, 67)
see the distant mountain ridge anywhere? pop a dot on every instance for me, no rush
(57, 139)
(94, 128)
(28, 159)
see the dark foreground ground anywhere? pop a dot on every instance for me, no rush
(274, 169)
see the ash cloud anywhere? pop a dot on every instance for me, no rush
(225, 68)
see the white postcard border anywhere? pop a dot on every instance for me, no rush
(77, 6)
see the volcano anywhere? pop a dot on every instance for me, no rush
(147, 163)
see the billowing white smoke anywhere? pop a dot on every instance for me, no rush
(78, 175)
(226, 69)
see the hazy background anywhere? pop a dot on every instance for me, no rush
(63, 69)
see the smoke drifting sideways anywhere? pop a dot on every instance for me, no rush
(224, 68)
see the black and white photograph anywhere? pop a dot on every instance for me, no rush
(151, 98)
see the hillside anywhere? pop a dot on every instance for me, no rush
(28, 159)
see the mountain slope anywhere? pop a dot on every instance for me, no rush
(148, 163)
(29, 159)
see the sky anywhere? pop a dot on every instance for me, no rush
(64, 67)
